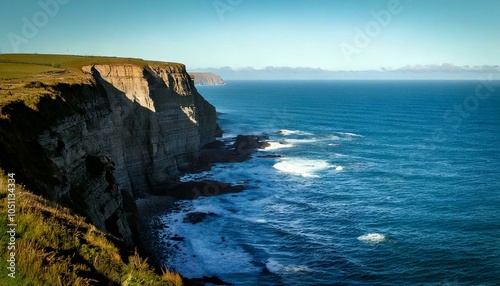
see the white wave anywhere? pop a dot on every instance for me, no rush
(277, 145)
(276, 267)
(195, 176)
(201, 206)
(339, 168)
(350, 134)
(343, 136)
(261, 221)
(298, 141)
(302, 167)
(217, 257)
(203, 251)
(294, 269)
(372, 238)
(286, 132)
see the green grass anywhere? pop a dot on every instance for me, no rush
(18, 71)
(65, 62)
(15, 70)
(55, 247)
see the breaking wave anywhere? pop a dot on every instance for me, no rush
(302, 167)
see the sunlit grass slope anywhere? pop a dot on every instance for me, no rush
(21, 74)
(55, 247)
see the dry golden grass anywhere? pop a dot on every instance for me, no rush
(18, 71)
(55, 247)
(60, 62)
(172, 276)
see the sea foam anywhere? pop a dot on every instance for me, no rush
(286, 132)
(311, 140)
(276, 267)
(277, 145)
(372, 238)
(302, 167)
(350, 134)
(203, 250)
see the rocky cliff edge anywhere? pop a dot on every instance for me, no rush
(97, 144)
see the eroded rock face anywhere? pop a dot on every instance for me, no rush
(126, 132)
(159, 123)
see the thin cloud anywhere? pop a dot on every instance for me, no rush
(451, 68)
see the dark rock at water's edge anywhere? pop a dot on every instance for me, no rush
(244, 143)
(271, 156)
(196, 217)
(101, 137)
(98, 137)
(218, 131)
(236, 149)
(233, 150)
(214, 145)
(194, 190)
(177, 238)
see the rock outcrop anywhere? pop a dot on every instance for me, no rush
(195, 189)
(125, 130)
(206, 78)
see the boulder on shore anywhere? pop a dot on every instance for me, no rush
(196, 217)
(207, 188)
(233, 150)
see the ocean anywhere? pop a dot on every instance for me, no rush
(379, 183)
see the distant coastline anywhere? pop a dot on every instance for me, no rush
(427, 72)
(206, 78)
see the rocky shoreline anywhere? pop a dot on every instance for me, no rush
(108, 132)
(149, 209)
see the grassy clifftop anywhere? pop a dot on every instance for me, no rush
(26, 77)
(29, 65)
(55, 247)
(52, 245)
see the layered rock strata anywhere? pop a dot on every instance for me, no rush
(95, 146)
(206, 78)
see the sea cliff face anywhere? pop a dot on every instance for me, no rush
(96, 145)
(206, 78)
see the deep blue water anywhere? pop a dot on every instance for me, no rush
(380, 183)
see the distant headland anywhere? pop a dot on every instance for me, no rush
(206, 78)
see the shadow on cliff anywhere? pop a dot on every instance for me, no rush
(20, 151)
(152, 133)
(92, 173)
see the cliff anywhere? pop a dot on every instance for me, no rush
(93, 137)
(55, 247)
(206, 78)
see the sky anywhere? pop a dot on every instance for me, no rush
(352, 35)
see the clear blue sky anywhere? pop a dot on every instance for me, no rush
(260, 33)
